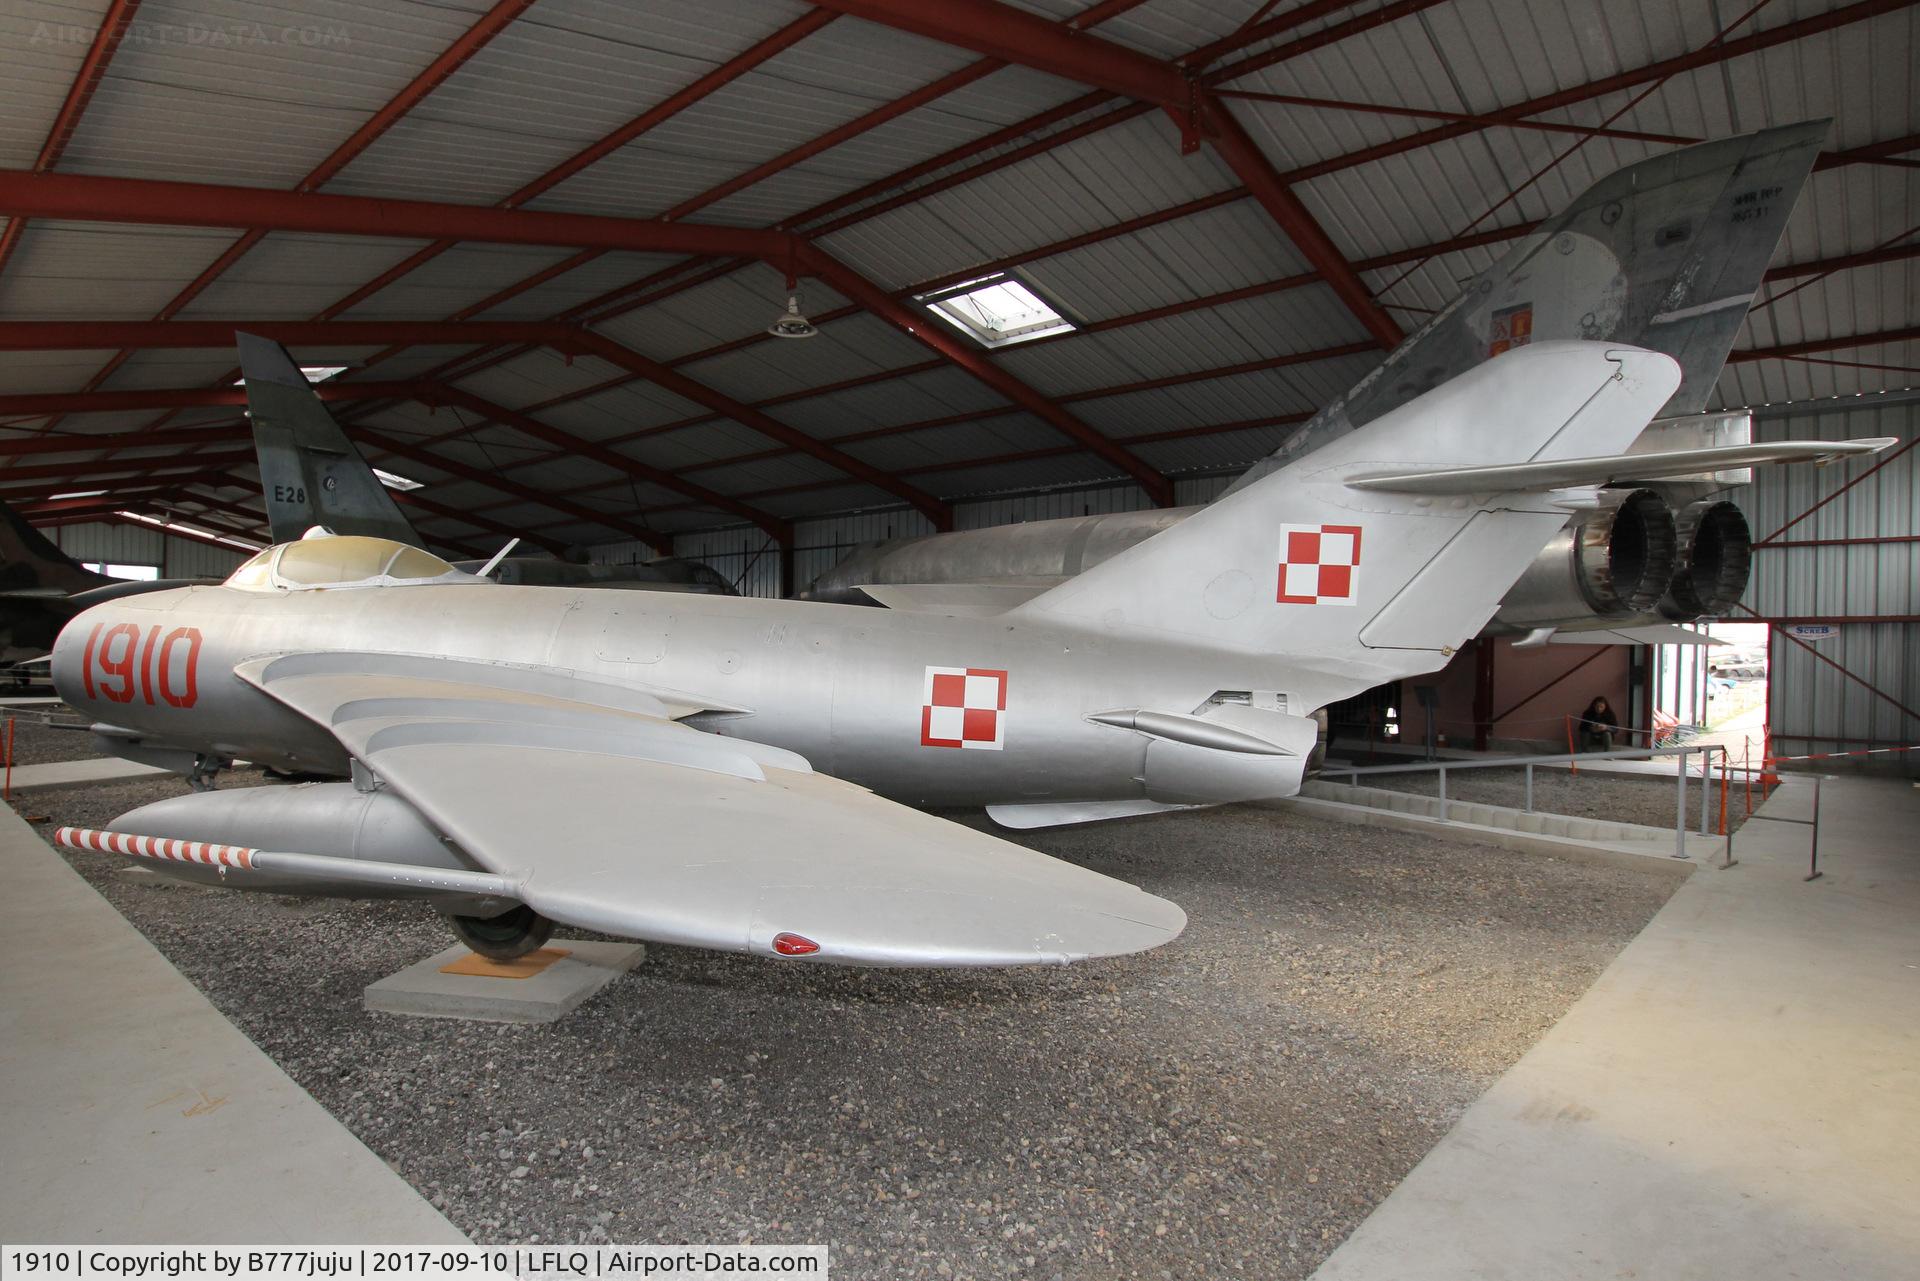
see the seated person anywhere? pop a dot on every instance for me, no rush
(1598, 725)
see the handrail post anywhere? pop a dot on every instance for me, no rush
(1813, 858)
(1706, 775)
(1680, 812)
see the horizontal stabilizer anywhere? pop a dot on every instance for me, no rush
(1658, 634)
(1618, 469)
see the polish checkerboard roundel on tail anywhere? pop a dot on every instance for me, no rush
(1319, 564)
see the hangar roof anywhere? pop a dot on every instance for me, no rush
(580, 383)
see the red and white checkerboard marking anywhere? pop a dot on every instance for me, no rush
(964, 707)
(1319, 564)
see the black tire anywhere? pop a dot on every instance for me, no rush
(505, 937)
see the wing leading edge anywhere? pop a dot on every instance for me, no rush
(618, 819)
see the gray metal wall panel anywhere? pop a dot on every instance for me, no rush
(130, 545)
(1861, 688)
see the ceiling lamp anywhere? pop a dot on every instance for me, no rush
(791, 323)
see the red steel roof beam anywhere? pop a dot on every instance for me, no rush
(85, 335)
(493, 480)
(674, 104)
(128, 466)
(1415, 253)
(195, 204)
(470, 42)
(106, 41)
(680, 385)
(1705, 56)
(1021, 38)
(427, 393)
(1788, 351)
(574, 446)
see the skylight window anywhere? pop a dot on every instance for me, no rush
(314, 373)
(393, 480)
(997, 310)
(184, 528)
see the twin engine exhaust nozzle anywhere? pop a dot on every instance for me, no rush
(1633, 561)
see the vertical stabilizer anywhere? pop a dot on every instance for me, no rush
(1350, 587)
(29, 562)
(1665, 254)
(310, 473)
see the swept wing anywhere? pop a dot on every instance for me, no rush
(619, 819)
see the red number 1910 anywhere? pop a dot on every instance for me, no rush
(119, 663)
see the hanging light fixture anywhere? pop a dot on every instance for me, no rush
(791, 323)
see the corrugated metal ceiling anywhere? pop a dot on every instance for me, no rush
(235, 92)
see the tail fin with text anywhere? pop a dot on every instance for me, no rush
(310, 473)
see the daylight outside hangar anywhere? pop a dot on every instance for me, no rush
(756, 284)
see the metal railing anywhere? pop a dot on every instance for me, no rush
(1572, 759)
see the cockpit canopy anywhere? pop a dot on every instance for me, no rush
(329, 560)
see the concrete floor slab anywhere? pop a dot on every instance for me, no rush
(1737, 1096)
(135, 1112)
(93, 769)
(426, 988)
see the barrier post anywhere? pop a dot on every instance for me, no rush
(1726, 833)
(1680, 811)
(1573, 767)
(1746, 768)
(1813, 857)
(1706, 780)
(6, 792)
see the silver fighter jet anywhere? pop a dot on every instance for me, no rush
(696, 769)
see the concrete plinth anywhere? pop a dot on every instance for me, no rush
(517, 993)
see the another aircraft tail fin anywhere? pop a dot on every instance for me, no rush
(1352, 586)
(310, 473)
(1665, 254)
(29, 562)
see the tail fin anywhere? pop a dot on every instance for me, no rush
(309, 470)
(1665, 254)
(31, 564)
(1360, 586)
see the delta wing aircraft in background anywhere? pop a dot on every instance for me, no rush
(695, 769)
(1665, 254)
(311, 475)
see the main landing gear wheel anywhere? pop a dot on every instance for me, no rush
(505, 937)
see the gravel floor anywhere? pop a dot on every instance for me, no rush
(1233, 1103)
(37, 743)
(1589, 794)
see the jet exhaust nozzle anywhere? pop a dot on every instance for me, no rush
(1714, 562)
(1613, 562)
